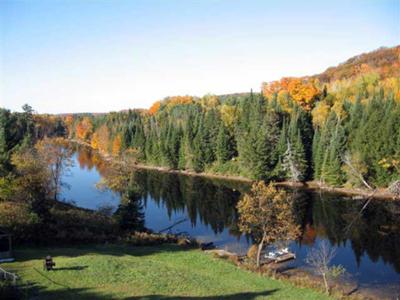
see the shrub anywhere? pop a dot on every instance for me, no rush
(19, 220)
(252, 252)
(70, 224)
(149, 239)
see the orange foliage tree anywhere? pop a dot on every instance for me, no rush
(103, 138)
(116, 146)
(301, 90)
(69, 122)
(178, 100)
(155, 108)
(84, 128)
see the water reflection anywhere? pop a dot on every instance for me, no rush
(368, 243)
(204, 202)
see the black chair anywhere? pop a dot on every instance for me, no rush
(48, 263)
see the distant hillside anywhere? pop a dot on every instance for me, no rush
(384, 61)
(372, 71)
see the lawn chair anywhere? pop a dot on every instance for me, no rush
(48, 263)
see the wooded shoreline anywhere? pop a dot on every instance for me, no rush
(355, 193)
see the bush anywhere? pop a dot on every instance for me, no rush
(252, 253)
(19, 220)
(231, 168)
(70, 224)
(63, 223)
(150, 239)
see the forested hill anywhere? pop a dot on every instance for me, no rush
(338, 127)
(384, 61)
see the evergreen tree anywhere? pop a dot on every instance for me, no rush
(129, 213)
(225, 146)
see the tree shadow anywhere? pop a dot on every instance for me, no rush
(74, 268)
(39, 292)
(237, 296)
(35, 291)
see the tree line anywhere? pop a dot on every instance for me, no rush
(340, 128)
(297, 130)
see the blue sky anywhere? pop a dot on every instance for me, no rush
(102, 55)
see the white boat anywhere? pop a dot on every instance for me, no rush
(280, 255)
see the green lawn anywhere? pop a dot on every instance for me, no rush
(161, 272)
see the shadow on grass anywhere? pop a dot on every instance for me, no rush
(74, 268)
(25, 254)
(247, 296)
(29, 291)
(34, 291)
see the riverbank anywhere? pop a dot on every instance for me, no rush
(356, 193)
(157, 272)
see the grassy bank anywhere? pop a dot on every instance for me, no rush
(159, 272)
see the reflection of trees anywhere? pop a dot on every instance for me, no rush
(204, 201)
(303, 216)
(328, 217)
(84, 158)
(87, 158)
(376, 232)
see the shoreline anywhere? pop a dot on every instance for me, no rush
(355, 193)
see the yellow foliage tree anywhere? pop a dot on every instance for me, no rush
(178, 100)
(304, 93)
(267, 214)
(228, 115)
(95, 141)
(103, 139)
(116, 146)
(320, 114)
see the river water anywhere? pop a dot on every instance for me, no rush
(367, 244)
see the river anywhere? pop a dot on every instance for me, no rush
(368, 244)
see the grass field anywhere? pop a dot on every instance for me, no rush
(124, 272)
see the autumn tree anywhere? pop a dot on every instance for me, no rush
(31, 182)
(103, 138)
(69, 122)
(302, 90)
(56, 155)
(84, 128)
(266, 213)
(94, 142)
(116, 146)
(155, 108)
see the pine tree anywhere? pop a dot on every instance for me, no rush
(225, 148)
(129, 214)
(331, 169)
(279, 172)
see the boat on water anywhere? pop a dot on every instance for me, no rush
(279, 255)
